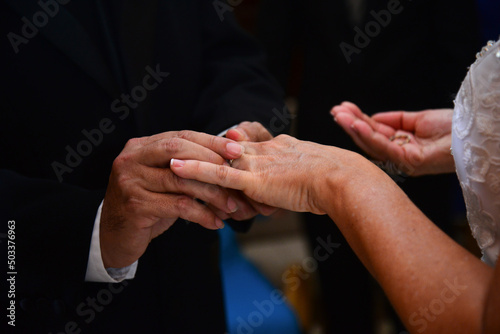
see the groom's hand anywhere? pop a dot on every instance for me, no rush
(144, 198)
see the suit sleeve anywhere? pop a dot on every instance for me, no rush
(240, 88)
(53, 223)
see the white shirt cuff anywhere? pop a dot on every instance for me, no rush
(95, 266)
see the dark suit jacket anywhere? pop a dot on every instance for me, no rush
(63, 84)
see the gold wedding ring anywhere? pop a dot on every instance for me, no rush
(405, 139)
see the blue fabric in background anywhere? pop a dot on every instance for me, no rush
(489, 19)
(250, 299)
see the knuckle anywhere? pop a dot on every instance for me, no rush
(179, 183)
(213, 189)
(223, 215)
(283, 137)
(122, 160)
(123, 180)
(197, 168)
(183, 203)
(212, 192)
(185, 134)
(212, 141)
(172, 145)
(257, 125)
(221, 173)
(133, 142)
(245, 213)
(132, 204)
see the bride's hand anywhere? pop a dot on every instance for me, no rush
(286, 173)
(418, 143)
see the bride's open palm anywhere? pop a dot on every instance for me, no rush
(418, 143)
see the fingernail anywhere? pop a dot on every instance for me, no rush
(177, 163)
(219, 223)
(234, 149)
(238, 132)
(231, 205)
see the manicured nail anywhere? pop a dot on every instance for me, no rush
(234, 149)
(177, 163)
(231, 205)
(219, 223)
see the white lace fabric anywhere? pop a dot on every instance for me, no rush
(476, 148)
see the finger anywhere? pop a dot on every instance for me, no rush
(192, 211)
(173, 206)
(262, 209)
(398, 119)
(341, 109)
(355, 112)
(159, 153)
(406, 157)
(350, 108)
(221, 214)
(237, 135)
(221, 175)
(165, 181)
(353, 108)
(245, 209)
(249, 131)
(347, 122)
(380, 147)
(223, 146)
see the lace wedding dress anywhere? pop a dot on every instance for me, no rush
(476, 148)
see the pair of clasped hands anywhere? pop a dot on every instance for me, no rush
(156, 180)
